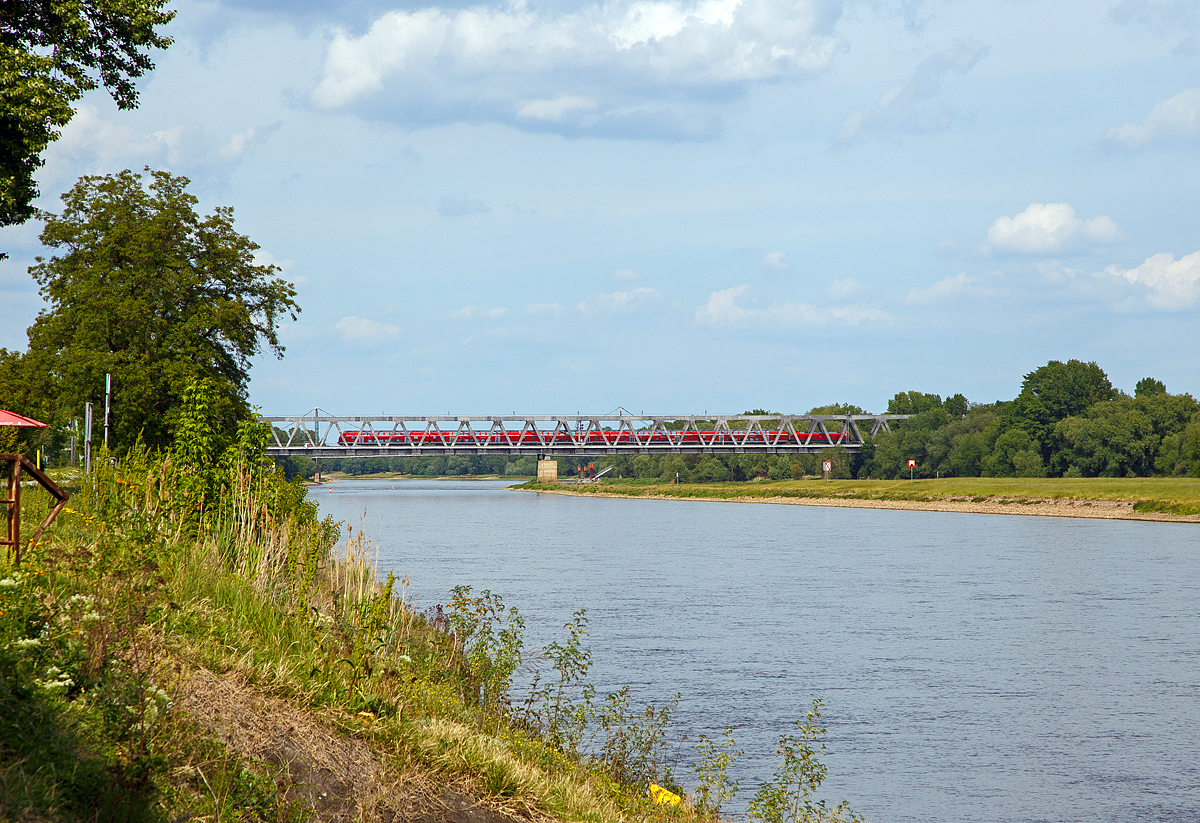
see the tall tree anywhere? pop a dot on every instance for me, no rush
(51, 53)
(147, 290)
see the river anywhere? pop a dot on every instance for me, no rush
(973, 667)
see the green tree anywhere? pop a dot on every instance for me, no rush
(1149, 387)
(957, 406)
(837, 408)
(51, 53)
(1113, 439)
(1011, 447)
(913, 402)
(148, 291)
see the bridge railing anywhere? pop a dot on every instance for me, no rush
(325, 435)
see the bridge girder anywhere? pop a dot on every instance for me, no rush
(569, 435)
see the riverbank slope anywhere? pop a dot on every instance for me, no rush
(1175, 499)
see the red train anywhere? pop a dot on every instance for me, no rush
(593, 438)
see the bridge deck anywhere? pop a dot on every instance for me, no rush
(324, 436)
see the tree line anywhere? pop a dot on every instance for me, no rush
(1067, 421)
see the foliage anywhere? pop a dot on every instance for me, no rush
(1068, 420)
(788, 797)
(559, 712)
(51, 53)
(145, 289)
(913, 402)
(712, 769)
(634, 744)
(490, 639)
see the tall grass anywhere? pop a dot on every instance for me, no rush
(163, 564)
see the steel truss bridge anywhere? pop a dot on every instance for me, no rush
(320, 435)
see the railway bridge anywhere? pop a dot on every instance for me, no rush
(323, 435)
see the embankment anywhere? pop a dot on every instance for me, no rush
(1155, 499)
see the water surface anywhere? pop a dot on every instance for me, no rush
(973, 667)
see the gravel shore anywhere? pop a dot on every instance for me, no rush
(1030, 507)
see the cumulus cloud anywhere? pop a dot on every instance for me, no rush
(952, 288)
(555, 109)
(262, 257)
(460, 205)
(617, 67)
(626, 274)
(1173, 285)
(1175, 120)
(900, 108)
(1049, 227)
(246, 141)
(618, 302)
(361, 330)
(845, 289)
(776, 260)
(90, 144)
(478, 312)
(723, 309)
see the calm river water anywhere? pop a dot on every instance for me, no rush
(973, 667)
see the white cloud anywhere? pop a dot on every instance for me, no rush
(246, 141)
(544, 309)
(1174, 120)
(90, 144)
(460, 205)
(477, 312)
(1049, 227)
(951, 288)
(626, 274)
(361, 330)
(899, 108)
(618, 302)
(600, 67)
(262, 257)
(1173, 284)
(722, 309)
(776, 260)
(555, 109)
(845, 289)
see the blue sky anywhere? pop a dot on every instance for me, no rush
(703, 205)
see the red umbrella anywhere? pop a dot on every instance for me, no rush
(8, 418)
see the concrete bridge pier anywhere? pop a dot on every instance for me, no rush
(547, 470)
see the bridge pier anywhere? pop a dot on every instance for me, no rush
(547, 470)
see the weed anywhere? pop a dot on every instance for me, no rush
(715, 787)
(788, 797)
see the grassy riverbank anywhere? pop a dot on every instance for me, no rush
(1171, 496)
(164, 657)
(190, 640)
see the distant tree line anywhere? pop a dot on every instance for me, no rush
(1067, 421)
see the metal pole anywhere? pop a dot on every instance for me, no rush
(87, 437)
(107, 402)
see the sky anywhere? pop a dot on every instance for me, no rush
(561, 206)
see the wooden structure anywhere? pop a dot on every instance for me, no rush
(18, 464)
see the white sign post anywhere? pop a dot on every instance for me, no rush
(912, 464)
(828, 466)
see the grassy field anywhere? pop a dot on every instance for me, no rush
(1172, 495)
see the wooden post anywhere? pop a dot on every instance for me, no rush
(13, 533)
(17, 463)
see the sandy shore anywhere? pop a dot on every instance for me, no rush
(1046, 507)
